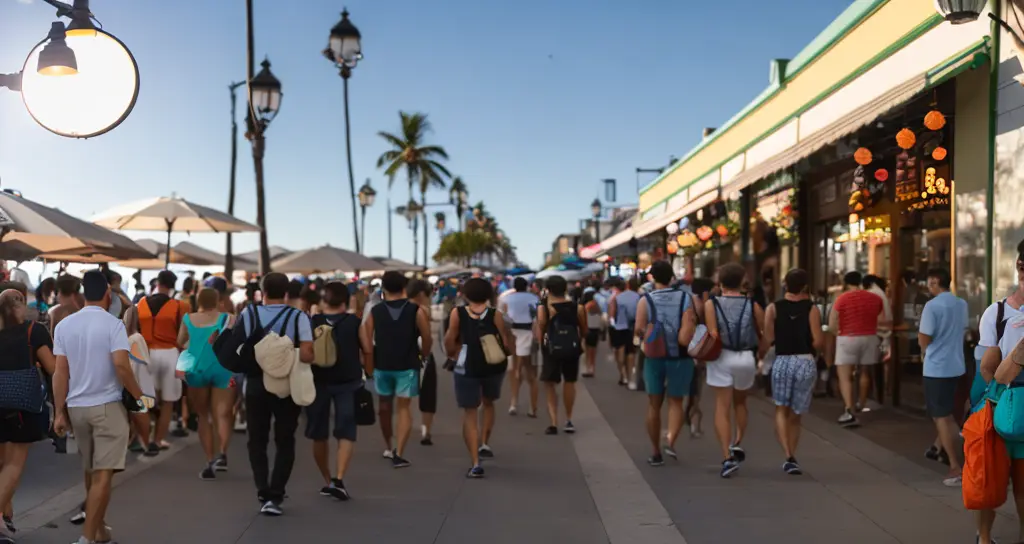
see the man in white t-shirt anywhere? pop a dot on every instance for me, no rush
(520, 309)
(92, 369)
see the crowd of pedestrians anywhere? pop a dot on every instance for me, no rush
(120, 372)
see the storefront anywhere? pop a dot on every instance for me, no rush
(870, 150)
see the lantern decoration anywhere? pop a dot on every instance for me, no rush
(683, 223)
(905, 138)
(722, 230)
(681, 239)
(882, 175)
(934, 120)
(939, 153)
(673, 247)
(687, 239)
(854, 218)
(705, 233)
(672, 228)
(862, 156)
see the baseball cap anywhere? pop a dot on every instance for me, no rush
(94, 285)
(216, 283)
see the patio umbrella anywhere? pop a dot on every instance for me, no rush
(171, 214)
(324, 259)
(249, 261)
(29, 229)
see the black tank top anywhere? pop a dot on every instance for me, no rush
(471, 328)
(395, 334)
(793, 327)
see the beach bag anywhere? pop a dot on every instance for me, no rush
(23, 389)
(300, 382)
(655, 343)
(1007, 418)
(325, 348)
(704, 346)
(365, 413)
(275, 353)
(986, 471)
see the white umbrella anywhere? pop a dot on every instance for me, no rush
(324, 259)
(171, 214)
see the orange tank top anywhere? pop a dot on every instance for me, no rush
(160, 330)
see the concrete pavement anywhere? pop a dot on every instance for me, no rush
(594, 487)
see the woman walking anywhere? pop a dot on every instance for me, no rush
(593, 332)
(210, 386)
(139, 355)
(737, 321)
(22, 345)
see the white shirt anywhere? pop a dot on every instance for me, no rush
(886, 308)
(987, 327)
(521, 307)
(88, 338)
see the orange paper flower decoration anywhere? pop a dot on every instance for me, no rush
(934, 120)
(672, 247)
(906, 138)
(722, 230)
(862, 156)
(705, 233)
(882, 175)
(939, 153)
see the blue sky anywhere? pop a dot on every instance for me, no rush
(536, 101)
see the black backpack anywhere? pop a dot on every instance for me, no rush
(562, 338)
(236, 351)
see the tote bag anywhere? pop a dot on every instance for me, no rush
(986, 471)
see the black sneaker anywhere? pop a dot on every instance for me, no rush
(208, 473)
(791, 467)
(569, 428)
(9, 523)
(270, 508)
(337, 490)
(551, 430)
(152, 450)
(476, 472)
(848, 420)
(220, 464)
(398, 462)
(729, 467)
(932, 453)
(78, 518)
(325, 491)
(485, 452)
(656, 460)
(427, 441)
(738, 453)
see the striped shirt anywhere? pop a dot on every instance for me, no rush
(858, 313)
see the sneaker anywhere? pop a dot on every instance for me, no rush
(729, 466)
(656, 460)
(208, 473)
(932, 453)
(532, 414)
(325, 491)
(569, 427)
(337, 490)
(78, 518)
(388, 454)
(152, 450)
(512, 410)
(953, 481)
(848, 420)
(398, 462)
(791, 467)
(671, 452)
(164, 445)
(270, 508)
(551, 430)
(738, 453)
(9, 524)
(220, 464)
(632, 386)
(136, 447)
(427, 441)
(476, 472)
(241, 426)
(485, 452)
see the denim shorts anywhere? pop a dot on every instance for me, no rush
(318, 414)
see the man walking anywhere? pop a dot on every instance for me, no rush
(622, 317)
(520, 308)
(561, 327)
(854, 320)
(389, 337)
(92, 368)
(160, 318)
(941, 336)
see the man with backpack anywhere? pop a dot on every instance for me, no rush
(337, 374)
(561, 326)
(389, 337)
(622, 317)
(258, 324)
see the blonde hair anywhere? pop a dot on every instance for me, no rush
(131, 320)
(9, 300)
(208, 299)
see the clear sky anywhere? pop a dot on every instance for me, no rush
(535, 101)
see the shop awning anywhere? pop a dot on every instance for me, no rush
(672, 216)
(617, 239)
(829, 134)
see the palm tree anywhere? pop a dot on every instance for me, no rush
(420, 161)
(458, 187)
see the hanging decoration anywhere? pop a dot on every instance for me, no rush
(683, 223)
(704, 233)
(934, 120)
(673, 247)
(939, 153)
(882, 175)
(687, 239)
(722, 230)
(905, 138)
(672, 228)
(862, 156)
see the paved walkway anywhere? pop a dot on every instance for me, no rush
(594, 487)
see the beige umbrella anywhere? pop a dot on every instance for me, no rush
(171, 214)
(324, 259)
(249, 261)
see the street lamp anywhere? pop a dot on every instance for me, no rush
(412, 212)
(959, 12)
(84, 81)
(366, 197)
(344, 49)
(595, 209)
(264, 104)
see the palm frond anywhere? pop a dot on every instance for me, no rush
(440, 168)
(398, 143)
(432, 151)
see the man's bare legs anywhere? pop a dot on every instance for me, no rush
(654, 404)
(515, 373)
(846, 385)
(531, 378)
(551, 390)
(384, 410)
(865, 384)
(948, 433)
(569, 399)
(404, 423)
(163, 422)
(97, 484)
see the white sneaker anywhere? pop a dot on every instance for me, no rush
(512, 410)
(953, 481)
(270, 509)
(388, 454)
(423, 431)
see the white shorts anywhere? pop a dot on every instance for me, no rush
(162, 364)
(145, 380)
(735, 369)
(857, 350)
(524, 342)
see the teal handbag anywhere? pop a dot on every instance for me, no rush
(1009, 414)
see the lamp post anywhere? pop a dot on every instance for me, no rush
(229, 258)
(412, 212)
(264, 104)
(80, 81)
(595, 209)
(366, 197)
(344, 49)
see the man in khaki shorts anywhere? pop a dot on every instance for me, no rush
(855, 319)
(92, 364)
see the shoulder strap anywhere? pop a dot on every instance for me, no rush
(719, 310)
(296, 329)
(286, 312)
(1000, 323)
(652, 312)
(682, 303)
(30, 325)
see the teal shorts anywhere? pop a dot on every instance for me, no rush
(670, 377)
(397, 383)
(213, 375)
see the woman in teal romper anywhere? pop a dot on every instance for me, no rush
(210, 386)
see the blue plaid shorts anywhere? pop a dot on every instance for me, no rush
(793, 381)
